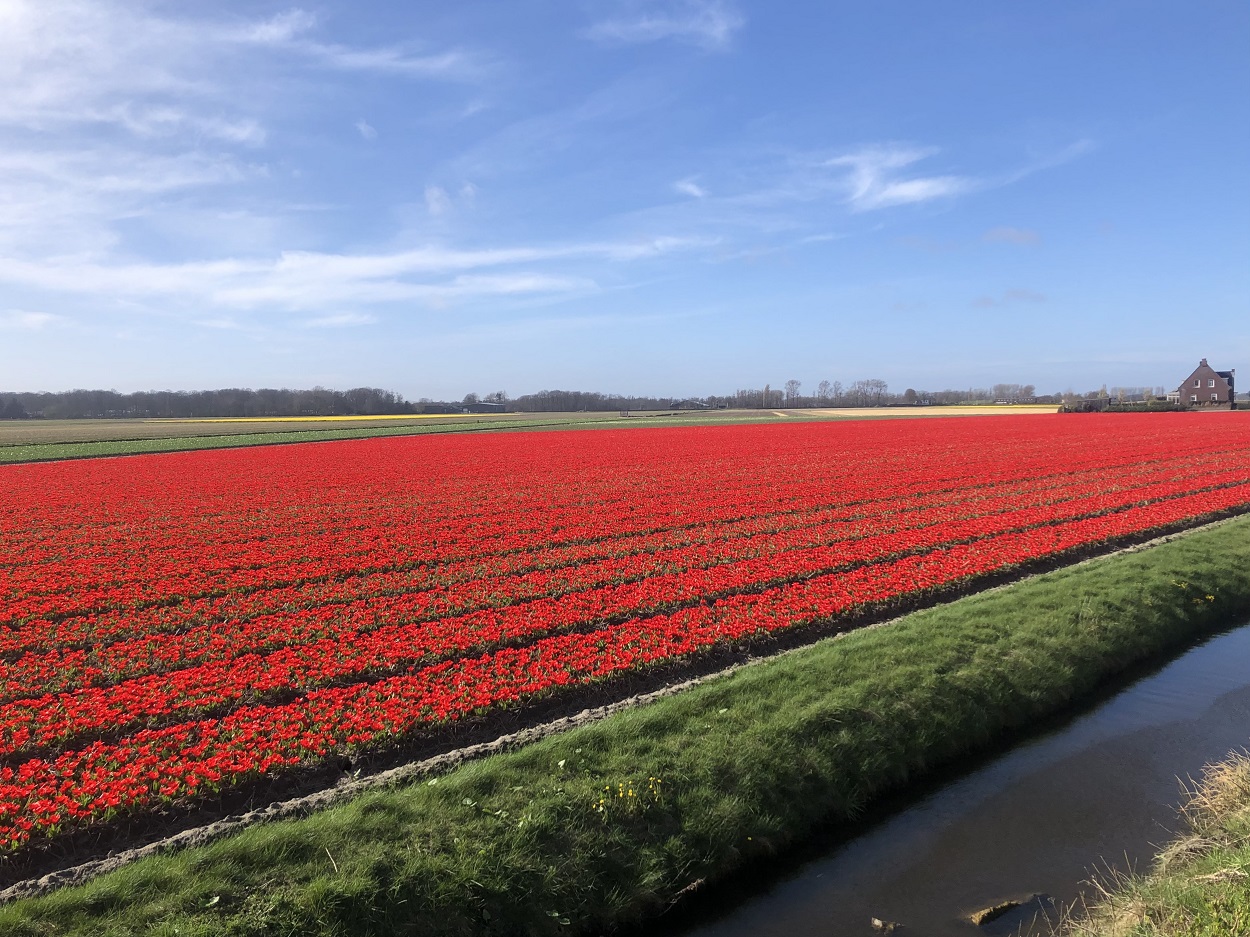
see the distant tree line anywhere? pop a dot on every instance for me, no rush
(236, 402)
(874, 392)
(372, 401)
(549, 401)
(870, 392)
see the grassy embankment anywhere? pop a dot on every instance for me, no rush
(1200, 886)
(52, 440)
(605, 825)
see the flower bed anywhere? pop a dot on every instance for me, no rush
(172, 627)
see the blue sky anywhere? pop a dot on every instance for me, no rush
(637, 196)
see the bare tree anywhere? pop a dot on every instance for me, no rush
(823, 390)
(792, 390)
(837, 391)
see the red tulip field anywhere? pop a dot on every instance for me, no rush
(179, 625)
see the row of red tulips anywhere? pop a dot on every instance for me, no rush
(172, 626)
(41, 796)
(366, 603)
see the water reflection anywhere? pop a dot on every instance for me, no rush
(1102, 790)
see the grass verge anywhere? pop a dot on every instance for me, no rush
(1200, 886)
(607, 825)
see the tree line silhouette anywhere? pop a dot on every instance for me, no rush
(373, 401)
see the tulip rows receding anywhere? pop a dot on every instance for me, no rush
(172, 626)
(369, 603)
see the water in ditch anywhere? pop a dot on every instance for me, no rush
(1100, 792)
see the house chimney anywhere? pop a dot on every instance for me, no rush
(1202, 363)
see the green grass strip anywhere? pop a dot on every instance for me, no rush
(604, 825)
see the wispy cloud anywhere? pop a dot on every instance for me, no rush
(689, 187)
(62, 201)
(119, 118)
(313, 281)
(441, 202)
(169, 122)
(340, 320)
(284, 27)
(437, 201)
(875, 179)
(103, 61)
(16, 319)
(1025, 237)
(710, 24)
(289, 32)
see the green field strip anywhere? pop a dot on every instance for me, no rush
(52, 452)
(60, 451)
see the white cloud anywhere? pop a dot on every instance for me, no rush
(689, 187)
(224, 323)
(341, 320)
(707, 23)
(105, 61)
(18, 319)
(279, 29)
(366, 129)
(61, 201)
(395, 61)
(288, 32)
(106, 171)
(163, 121)
(437, 201)
(312, 281)
(112, 109)
(873, 181)
(65, 60)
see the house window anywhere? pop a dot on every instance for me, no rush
(1193, 398)
(1197, 382)
(1210, 382)
(1215, 397)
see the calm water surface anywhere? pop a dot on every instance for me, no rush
(1102, 791)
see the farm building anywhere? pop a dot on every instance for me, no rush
(1206, 386)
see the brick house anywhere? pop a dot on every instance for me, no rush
(1206, 386)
